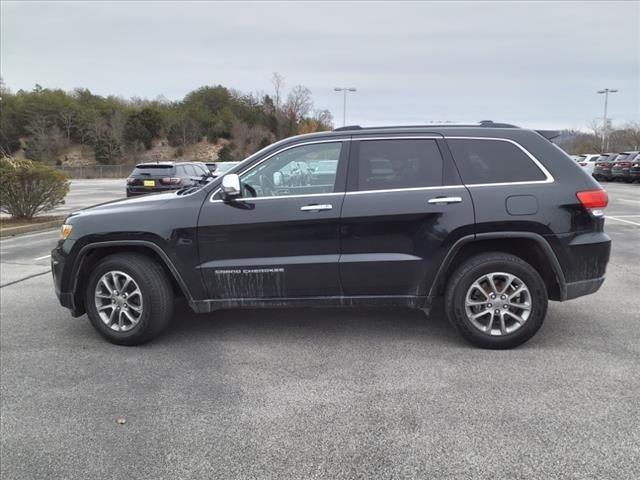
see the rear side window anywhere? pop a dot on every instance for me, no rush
(402, 163)
(492, 161)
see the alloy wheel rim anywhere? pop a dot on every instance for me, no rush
(498, 303)
(118, 300)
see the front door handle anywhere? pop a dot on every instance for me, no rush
(437, 200)
(316, 207)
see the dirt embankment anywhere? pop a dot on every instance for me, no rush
(81, 155)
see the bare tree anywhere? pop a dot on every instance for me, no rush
(299, 103)
(278, 85)
(248, 139)
(184, 130)
(45, 140)
(324, 119)
(633, 135)
(68, 119)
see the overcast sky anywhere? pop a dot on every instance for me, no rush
(536, 64)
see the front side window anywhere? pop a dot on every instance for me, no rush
(493, 161)
(303, 170)
(396, 164)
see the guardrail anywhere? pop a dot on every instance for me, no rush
(96, 171)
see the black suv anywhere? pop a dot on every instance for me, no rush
(153, 177)
(492, 218)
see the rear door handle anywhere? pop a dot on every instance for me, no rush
(437, 200)
(316, 207)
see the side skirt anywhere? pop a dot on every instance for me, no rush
(204, 306)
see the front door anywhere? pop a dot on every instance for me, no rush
(404, 207)
(281, 238)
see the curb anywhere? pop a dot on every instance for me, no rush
(36, 227)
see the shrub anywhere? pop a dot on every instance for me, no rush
(28, 188)
(225, 154)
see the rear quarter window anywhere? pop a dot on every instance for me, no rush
(493, 161)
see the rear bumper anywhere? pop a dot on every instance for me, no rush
(583, 287)
(584, 262)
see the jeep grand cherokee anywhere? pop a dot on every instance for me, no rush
(494, 219)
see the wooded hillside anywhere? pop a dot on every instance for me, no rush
(48, 125)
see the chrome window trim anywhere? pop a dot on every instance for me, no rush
(407, 189)
(549, 178)
(275, 197)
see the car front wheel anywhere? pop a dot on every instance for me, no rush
(129, 299)
(496, 300)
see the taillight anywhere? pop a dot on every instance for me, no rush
(170, 180)
(583, 164)
(625, 164)
(130, 180)
(594, 201)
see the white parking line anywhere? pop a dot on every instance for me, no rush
(43, 257)
(624, 221)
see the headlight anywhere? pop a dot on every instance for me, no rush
(65, 231)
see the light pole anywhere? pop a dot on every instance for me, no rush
(344, 90)
(605, 125)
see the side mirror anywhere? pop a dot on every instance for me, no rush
(231, 186)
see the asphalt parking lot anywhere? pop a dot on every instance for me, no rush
(321, 393)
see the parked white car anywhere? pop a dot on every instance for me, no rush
(588, 162)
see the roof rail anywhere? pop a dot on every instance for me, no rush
(482, 123)
(348, 127)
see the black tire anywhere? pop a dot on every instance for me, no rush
(157, 294)
(472, 269)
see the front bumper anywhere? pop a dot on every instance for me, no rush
(65, 298)
(602, 172)
(620, 173)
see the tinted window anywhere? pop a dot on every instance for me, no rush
(390, 164)
(153, 170)
(293, 171)
(493, 161)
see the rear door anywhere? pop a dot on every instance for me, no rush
(403, 209)
(281, 239)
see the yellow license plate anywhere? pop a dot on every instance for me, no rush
(149, 183)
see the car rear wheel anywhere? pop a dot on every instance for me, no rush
(496, 300)
(129, 299)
